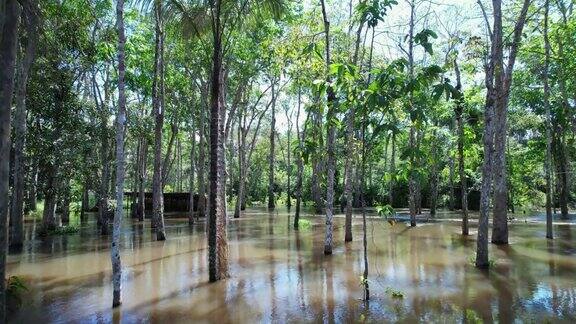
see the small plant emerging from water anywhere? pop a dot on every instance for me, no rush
(304, 224)
(470, 316)
(472, 261)
(15, 287)
(394, 293)
(385, 211)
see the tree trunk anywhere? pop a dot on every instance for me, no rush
(392, 172)
(460, 130)
(217, 240)
(452, 204)
(241, 158)
(104, 160)
(17, 213)
(412, 136)
(141, 209)
(271, 198)
(85, 200)
(202, 159)
(8, 44)
(103, 201)
(494, 74)
(157, 97)
(500, 220)
(192, 173)
(330, 139)
(65, 204)
(299, 159)
(120, 127)
(348, 174)
(49, 214)
(289, 163)
(502, 83)
(32, 187)
(548, 126)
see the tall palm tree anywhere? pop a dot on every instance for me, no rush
(219, 18)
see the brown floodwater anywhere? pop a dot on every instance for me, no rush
(281, 275)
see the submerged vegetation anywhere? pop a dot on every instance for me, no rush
(126, 113)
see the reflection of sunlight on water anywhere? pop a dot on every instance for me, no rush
(278, 274)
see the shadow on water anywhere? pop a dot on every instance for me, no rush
(279, 274)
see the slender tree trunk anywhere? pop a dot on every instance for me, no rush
(103, 212)
(548, 162)
(348, 174)
(271, 157)
(120, 169)
(158, 92)
(65, 204)
(299, 159)
(17, 213)
(32, 187)
(8, 44)
(412, 135)
(434, 178)
(289, 162)
(202, 159)
(241, 158)
(85, 200)
(460, 131)
(392, 172)
(330, 139)
(192, 173)
(217, 240)
(563, 174)
(452, 204)
(49, 213)
(142, 180)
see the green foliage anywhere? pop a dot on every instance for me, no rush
(60, 230)
(15, 288)
(397, 294)
(423, 39)
(385, 211)
(304, 224)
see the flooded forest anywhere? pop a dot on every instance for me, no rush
(283, 161)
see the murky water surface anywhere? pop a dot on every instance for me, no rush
(281, 275)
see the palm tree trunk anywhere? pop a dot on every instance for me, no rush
(217, 240)
(120, 168)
